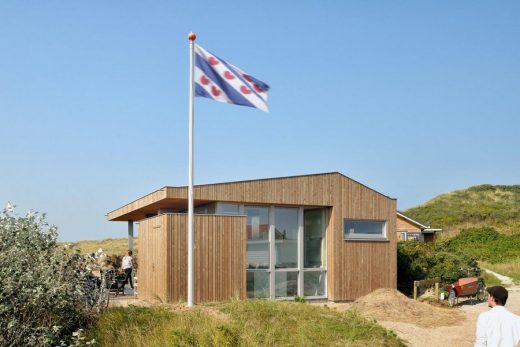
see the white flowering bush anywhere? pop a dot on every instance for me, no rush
(42, 285)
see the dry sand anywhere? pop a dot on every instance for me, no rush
(390, 304)
(460, 335)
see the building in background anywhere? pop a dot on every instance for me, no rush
(409, 229)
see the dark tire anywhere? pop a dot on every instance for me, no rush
(481, 291)
(452, 298)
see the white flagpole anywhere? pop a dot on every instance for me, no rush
(192, 38)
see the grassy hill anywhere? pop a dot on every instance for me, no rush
(109, 246)
(238, 323)
(496, 206)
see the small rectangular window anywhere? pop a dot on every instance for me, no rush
(204, 209)
(364, 229)
(225, 208)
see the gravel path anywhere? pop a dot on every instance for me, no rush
(506, 281)
(462, 334)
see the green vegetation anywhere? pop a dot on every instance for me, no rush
(455, 257)
(239, 323)
(418, 260)
(495, 206)
(485, 244)
(42, 291)
(489, 279)
(109, 246)
(509, 268)
(481, 222)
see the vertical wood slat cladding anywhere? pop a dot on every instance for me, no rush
(152, 274)
(354, 268)
(305, 190)
(360, 267)
(220, 276)
(220, 257)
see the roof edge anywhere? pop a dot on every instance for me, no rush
(165, 188)
(413, 220)
(137, 199)
(284, 177)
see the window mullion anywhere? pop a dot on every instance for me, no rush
(272, 255)
(300, 251)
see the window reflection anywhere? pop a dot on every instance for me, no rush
(257, 223)
(286, 236)
(286, 284)
(314, 238)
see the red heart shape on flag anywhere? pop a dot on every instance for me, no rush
(213, 61)
(215, 91)
(247, 77)
(258, 88)
(229, 75)
(245, 90)
(204, 80)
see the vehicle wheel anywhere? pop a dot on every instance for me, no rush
(452, 298)
(481, 291)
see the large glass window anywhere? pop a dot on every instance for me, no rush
(257, 223)
(257, 229)
(286, 251)
(257, 284)
(314, 283)
(286, 284)
(286, 237)
(314, 238)
(364, 229)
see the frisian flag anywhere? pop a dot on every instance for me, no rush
(221, 81)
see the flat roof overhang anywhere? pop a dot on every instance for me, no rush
(176, 204)
(166, 197)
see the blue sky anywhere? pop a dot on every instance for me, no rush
(410, 98)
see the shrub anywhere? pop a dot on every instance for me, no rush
(42, 292)
(419, 260)
(486, 244)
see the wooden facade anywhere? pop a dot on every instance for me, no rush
(354, 267)
(220, 257)
(405, 225)
(410, 229)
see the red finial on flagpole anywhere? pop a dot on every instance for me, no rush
(192, 36)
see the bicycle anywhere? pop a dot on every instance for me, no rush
(97, 297)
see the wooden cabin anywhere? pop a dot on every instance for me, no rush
(409, 229)
(322, 236)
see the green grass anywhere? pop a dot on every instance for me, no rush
(489, 279)
(509, 268)
(495, 206)
(109, 246)
(239, 323)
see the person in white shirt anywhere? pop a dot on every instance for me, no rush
(497, 327)
(127, 268)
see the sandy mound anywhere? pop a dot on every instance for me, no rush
(391, 305)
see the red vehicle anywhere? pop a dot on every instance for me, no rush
(466, 287)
